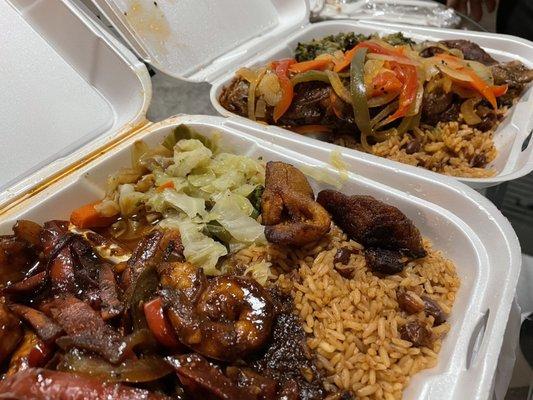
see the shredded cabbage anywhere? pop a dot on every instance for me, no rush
(199, 249)
(340, 165)
(192, 206)
(188, 154)
(236, 220)
(196, 189)
(260, 271)
(130, 201)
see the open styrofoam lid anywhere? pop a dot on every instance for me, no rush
(64, 87)
(197, 40)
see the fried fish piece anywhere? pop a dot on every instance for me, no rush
(373, 223)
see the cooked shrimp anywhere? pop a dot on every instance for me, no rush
(225, 318)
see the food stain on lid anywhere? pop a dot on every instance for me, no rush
(148, 22)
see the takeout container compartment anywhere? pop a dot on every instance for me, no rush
(515, 153)
(474, 319)
(465, 226)
(192, 42)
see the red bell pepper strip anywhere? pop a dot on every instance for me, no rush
(385, 82)
(407, 74)
(159, 324)
(499, 90)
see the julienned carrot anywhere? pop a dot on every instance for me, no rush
(166, 185)
(287, 92)
(487, 91)
(499, 90)
(345, 62)
(88, 216)
(303, 66)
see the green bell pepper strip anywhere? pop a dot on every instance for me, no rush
(358, 94)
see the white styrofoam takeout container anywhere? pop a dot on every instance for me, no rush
(208, 40)
(511, 138)
(464, 225)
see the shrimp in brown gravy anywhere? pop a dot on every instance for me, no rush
(224, 318)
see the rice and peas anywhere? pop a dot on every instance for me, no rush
(450, 148)
(352, 324)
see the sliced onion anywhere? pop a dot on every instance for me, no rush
(405, 125)
(447, 84)
(469, 113)
(400, 60)
(338, 54)
(381, 136)
(251, 94)
(482, 71)
(430, 70)
(372, 68)
(418, 100)
(463, 92)
(339, 87)
(456, 52)
(247, 74)
(387, 110)
(145, 369)
(432, 85)
(382, 100)
(454, 74)
(383, 44)
(260, 108)
(269, 89)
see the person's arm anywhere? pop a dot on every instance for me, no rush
(474, 9)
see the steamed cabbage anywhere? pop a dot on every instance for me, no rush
(235, 218)
(193, 187)
(192, 206)
(199, 249)
(188, 154)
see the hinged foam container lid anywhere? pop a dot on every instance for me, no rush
(68, 89)
(198, 40)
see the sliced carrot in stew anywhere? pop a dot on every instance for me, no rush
(166, 185)
(88, 216)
